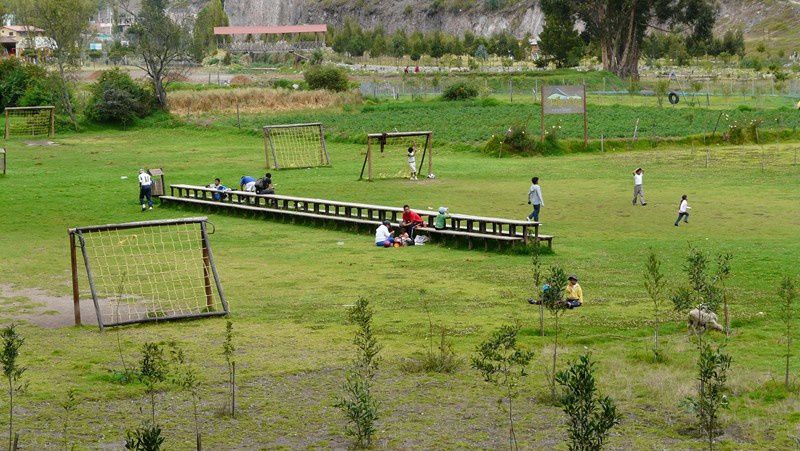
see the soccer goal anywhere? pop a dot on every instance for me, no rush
(147, 271)
(391, 160)
(30, 121)
(295, 146)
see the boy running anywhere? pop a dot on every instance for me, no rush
(145, 189)
(683, 211)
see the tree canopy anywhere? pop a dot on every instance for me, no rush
(203, 39)
(618, 27)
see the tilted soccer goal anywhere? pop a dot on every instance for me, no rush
(147, 271)
(295, 146)
(391, 158)
(30, 121)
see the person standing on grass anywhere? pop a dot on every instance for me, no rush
(412, 161)
(638, 190)
(683, 211)
(535, 198)
(145, 189)
(411, 220)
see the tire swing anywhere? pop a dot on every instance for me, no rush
(673, 98)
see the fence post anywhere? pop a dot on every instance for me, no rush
(708, 156)
(238, 118)
(511, 90)
(602, 143)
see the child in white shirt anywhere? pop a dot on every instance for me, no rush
(412, 162)
(145, 189)
(683, 211)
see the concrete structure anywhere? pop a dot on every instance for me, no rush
(16, 39)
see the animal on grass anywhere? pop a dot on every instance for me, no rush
(701, 319)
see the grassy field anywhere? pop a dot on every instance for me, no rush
(473, 122)
(289, 285)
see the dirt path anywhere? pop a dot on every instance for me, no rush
(38, 307)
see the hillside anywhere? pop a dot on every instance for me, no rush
(773, 21)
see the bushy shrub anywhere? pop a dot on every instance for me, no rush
(17, 78)
(460, 91)
(517, 140)
(326, 77)
(282, 83)
(117, 99)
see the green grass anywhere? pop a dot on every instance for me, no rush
(473, 122)
(288, 286)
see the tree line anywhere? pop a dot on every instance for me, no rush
(354, 40)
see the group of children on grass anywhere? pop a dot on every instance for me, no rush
(535, 198)
(406, 236)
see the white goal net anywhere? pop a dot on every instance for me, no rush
(388, 155)
(295, 146)
(148, 271)
(29, 121)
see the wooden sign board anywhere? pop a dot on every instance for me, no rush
(158, 181)
(565, 100)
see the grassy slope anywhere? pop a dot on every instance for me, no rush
(288, 285)
(473, 122)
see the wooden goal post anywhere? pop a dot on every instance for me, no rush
(30, 121)
(381, 138)
(295, 146)
(147, 271)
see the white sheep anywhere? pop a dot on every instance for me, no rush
(702, 319)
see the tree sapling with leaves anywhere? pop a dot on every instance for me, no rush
(789, 298)
(186, 378)
(12, 370)
(228, 350)
(69, 405)
(358, 403)
(591, 416)
(712, 367)
(553, 301)
(502, 362)
(654, 283)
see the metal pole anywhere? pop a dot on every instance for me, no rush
(213, 267)
(91, 281)
(76, 296)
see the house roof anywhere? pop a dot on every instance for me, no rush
(23, 28)
(278, 29)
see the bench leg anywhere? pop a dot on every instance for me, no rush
(469, 242)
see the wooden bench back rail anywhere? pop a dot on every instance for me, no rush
(376, 213)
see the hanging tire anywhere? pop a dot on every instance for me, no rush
(673, 98)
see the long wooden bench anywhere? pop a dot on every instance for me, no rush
(458, 225)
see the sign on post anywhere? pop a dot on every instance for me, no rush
(565, 100)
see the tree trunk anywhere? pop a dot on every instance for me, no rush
(65, 96)
(555, 356)
(10, 414)
(161, 93)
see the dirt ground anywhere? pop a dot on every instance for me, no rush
(38, 307)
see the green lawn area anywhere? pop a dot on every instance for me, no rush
(289, 285)
(474, 122)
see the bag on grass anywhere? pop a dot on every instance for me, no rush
(420, 240)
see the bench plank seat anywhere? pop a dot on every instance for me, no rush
(458, 225)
